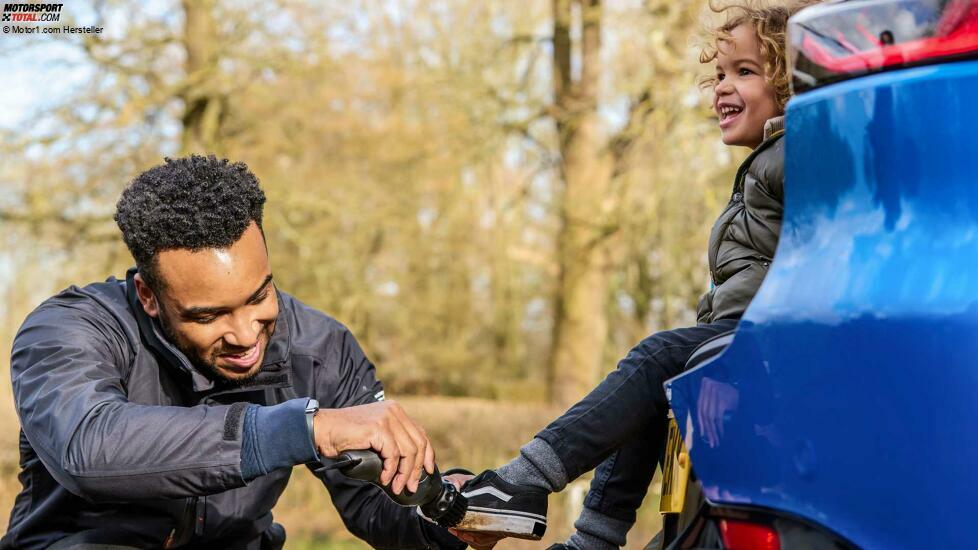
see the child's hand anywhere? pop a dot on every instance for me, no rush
(479, 541)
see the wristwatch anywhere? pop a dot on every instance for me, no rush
(312, 406)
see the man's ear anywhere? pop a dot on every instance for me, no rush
(146, 296)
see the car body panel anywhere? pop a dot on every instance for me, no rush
(851, 387)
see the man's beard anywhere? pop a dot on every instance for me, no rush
(208, 367)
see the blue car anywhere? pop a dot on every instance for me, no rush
(844, 413)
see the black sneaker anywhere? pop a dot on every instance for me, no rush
(501, 508)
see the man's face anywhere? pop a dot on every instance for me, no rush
(218, 306)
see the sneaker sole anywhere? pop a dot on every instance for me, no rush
(493, 522)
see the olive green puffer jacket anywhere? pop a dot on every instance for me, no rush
(745, 235)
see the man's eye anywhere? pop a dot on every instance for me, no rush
(260, 299)
(205, 320)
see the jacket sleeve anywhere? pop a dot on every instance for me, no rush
(67, 367)
(348, 379)
(370, 515)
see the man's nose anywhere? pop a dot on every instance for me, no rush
(243, 332)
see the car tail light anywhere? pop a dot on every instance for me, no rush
(742, 535)
(744, 528)
(834, 41)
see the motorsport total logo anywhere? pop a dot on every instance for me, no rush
(37, 19)
(32, 13)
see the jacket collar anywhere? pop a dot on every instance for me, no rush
(773, 130)
(275, 368)
(773, 126)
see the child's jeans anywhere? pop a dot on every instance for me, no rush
(622, 422)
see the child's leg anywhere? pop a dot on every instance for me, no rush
(619, 486)
(626, 401)
(512, 501)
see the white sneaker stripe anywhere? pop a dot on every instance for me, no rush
(488, 491)
(508, 513)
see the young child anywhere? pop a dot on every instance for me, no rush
(622, 421)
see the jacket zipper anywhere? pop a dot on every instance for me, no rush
(201, 516)
(186, 527)
(714, 251)
(194, 517)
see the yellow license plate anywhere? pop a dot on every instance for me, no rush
(675, 471)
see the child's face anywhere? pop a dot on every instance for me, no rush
(743, 98)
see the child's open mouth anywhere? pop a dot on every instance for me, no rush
(728, 113)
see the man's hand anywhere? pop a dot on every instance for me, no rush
(479, 541)
(383, 427)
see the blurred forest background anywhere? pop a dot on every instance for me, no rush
(498, 198)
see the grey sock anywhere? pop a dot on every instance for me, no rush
(537, 466)
(596, 531)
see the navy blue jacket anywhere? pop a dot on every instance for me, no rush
(120, 432)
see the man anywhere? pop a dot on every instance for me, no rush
(167, 410)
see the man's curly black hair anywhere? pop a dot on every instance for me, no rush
(193, 202)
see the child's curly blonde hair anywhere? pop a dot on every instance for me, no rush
(770, 22)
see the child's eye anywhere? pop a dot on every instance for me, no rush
(719, 77)
(746, 72)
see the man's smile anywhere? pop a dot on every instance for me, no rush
(246, 359)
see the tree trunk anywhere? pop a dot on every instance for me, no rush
(204, 105)
(580, 309)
